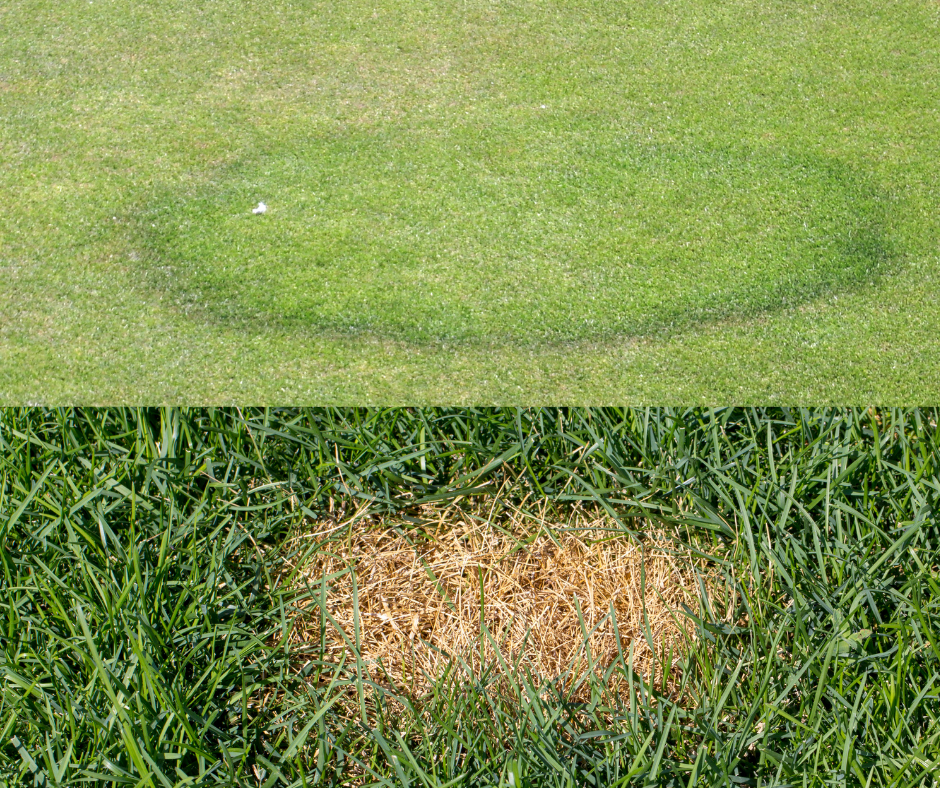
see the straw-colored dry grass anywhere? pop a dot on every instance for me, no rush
(420, 596)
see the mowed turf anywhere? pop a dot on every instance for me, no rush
(495, 182)
(643, 237)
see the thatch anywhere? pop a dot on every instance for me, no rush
(420, 597)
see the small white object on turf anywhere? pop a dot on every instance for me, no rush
(260, 209)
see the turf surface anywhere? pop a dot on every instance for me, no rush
(152, 561)
(654, 237)
(586, 200)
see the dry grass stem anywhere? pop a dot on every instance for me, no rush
(419, 605)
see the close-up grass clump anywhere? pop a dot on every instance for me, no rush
(483, 200)
(469, 597)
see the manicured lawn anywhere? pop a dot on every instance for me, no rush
(470, 201)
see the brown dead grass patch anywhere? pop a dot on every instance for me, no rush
(421, 594)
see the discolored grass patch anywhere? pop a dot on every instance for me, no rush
(615, 237)
(556, 601)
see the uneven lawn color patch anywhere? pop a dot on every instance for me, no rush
(541, 590)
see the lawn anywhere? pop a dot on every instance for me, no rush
(470, 201)
(550, 598)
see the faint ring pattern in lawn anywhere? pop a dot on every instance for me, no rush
(616, 240)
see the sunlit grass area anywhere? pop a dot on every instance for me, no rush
(644, 238)
(356, 597)
(596, 200)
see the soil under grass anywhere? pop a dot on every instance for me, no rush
(592, 201)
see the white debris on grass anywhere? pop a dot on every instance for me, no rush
(260, 209)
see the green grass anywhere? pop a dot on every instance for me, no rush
(594, 201)
(145, 603)
(652, 237)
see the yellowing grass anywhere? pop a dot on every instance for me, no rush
(543, 595)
